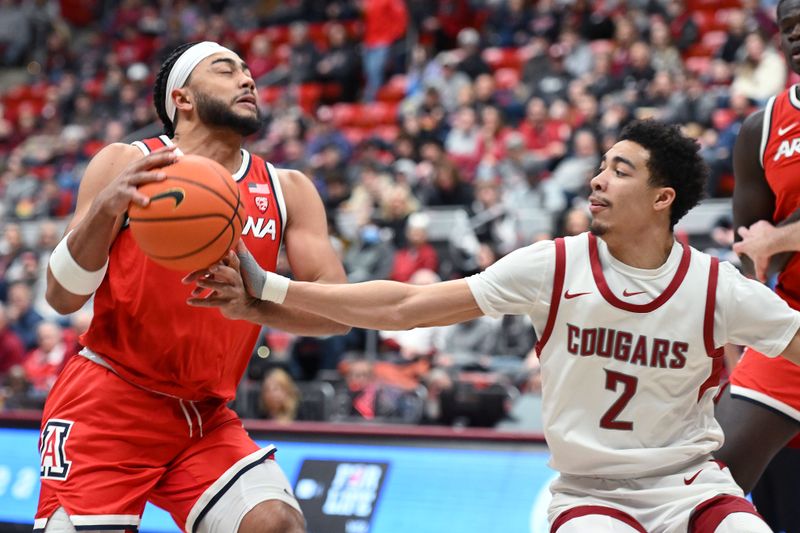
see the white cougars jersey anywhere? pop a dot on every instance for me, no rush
(646, 373)
(630, 358)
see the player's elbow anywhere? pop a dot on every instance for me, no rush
(62, 301)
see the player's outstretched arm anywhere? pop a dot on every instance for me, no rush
(77, 265)
(792, 351)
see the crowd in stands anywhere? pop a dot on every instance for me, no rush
(440, 136)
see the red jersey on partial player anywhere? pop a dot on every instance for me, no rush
(780, 157)
(143, 328)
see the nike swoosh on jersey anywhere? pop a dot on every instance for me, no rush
(569, 296)
(689, 481)
(626, 293)
(787, 129)
(176, 194)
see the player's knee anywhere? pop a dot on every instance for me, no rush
(273, 516)
(741, 523)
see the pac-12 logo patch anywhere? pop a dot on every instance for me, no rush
(262, 203)
(52, 449)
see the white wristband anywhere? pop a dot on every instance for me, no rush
(275, 288)
(70, 274)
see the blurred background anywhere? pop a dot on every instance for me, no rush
(441, 135)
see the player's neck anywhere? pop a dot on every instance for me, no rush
(222, 146)
(647, 251)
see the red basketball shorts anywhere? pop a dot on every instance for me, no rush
(773, 382)
(107, 447)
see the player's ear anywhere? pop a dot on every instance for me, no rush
(664, 198)
(183, 99)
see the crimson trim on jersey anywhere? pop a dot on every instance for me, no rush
(584, 510)
(711, 303)
(610, 297)
(555, 298)
(707, 516)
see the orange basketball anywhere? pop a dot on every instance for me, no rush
(194, 216)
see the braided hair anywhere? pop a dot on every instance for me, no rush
(160, 88)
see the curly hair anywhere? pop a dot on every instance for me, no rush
(674, 162)
(160, 88)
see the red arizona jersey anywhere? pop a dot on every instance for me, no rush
(780, 157)
(142, 326)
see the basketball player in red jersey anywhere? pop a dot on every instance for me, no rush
(631, 326)
(142, 414)
(760, 411)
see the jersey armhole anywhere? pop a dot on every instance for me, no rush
(766, 127)
(555, 297)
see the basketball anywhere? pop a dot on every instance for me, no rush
(194, 216)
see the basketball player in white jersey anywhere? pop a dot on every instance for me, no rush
(631, 325)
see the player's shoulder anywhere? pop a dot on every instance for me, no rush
(116, 152)
(294, 183)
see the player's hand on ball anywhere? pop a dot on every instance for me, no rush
(227, 289)
(115, 198)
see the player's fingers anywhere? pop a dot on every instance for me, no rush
(225, 273)
(207, 302)
(213, 283)
(743, 231)
(139, 198)
(233, 260)
(146, 176)
(738, 247)
(197, 274)
(158, 158)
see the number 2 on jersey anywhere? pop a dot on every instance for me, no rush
(609, 419)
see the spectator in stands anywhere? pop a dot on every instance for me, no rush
(578, 57)
(734, 37)
(340, 63)
(572, 174)
(463, 142)
(451, 81)
(551, 83)
(448, 20)
(545, 137)
(384, 23)
(491, 219)
(22, 317)
(523, 179)
(417, 254)
(323, 134)
(720, 156)
(469, 50)
(15, 34)
(304, 55)
(683, 27)
(12, 249)
(447, 187)
(279, 397)
(601, 80)
(576, 221)
(509, 24)
(370, 257)
(664, 55)
(638, 74)
(398, 204)
(12, 351)
(761, 73)
(263, 60)
(43, 364)
(373, 183)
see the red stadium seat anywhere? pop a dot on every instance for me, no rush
(387, 132)
(506, 78)
(394, 90)
(344, 115)
(355, 135)
(308, 95)
(697, 64)
(270, 94)
(722, 118)
(714, 40)
(498, 58)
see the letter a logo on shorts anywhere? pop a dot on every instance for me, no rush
(51, 449)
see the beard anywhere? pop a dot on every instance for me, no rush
(598, 229)
(217, 114)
